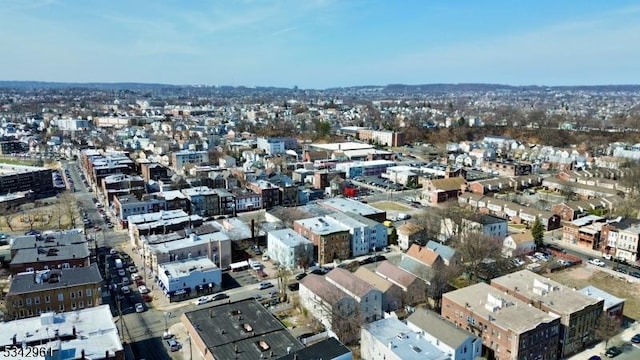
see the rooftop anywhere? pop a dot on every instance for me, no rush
(156, 216)
(330, 348)
(349, 282)
(91, 329)
(61, 238)
(322, 226)
(405, 343)
(242, 330)
(438, 327)
(445, 252)
(13, 169)
(327, 291)
(167, 247)
(553, 295)
(598, 294)
(395, 274)
(342, 146)
(289, 237)
(199, 191)
(374, 279)
(496, 306)
(349, 205)
(48, 254)
(181, 268)
(53, 279)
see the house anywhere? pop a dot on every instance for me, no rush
(34, 293)
(414, 289)
(203, 201)
(392, 294)
(180, 159)
(409, 233)
(441, 190)
(391, 339)
(368, 298)
(516, 244)
(505, 324)
(579, 314)
(243, 330)
(620, 238)
(289, 248)
(226, 161)
(89, 333)
(50, 257)
(269, 193)
(326, 302)
(446, 253)
(488, 225)
(448, 338)
(584, 231)
(424, 255)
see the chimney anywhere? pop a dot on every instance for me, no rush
(106, 354)
(82, 354)
(74, 331)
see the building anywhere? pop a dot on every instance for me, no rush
(392, 294)
(203, 201)
(86, 333)
(366, 234)
(410, 233)
(441, 190)
(120, 184)
(358, 169)
(584, 231)
(414, 289)
(8, 147)
(154, 171)
(613, 306)
(505, 324)
(102, 164)
(58, 290)
(271, 146)
(327, 303)
(382, 137)
(448, 338)
(227, 161)
(242, 330)
(579, 314)
(289, 249)
(180, 159)
(128, 205)
(246, 200)
(518, 244)
(507, 168)
(205, 240)
(623, 229)
(425, 256)
(67, 124)
(329, 349)
(50, 257)
(446, 253)
(366, 295)
(344, 205)
(391, 339)
(160, 222)
(189, 277)
(331, 240)
(487, 225)
(16, 178)
(269, 193)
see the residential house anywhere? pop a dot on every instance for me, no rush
(180, 159)
(487, 225)
(368, 298)
(246, 200)
(410, 233)
(289, 249)
(392, 294)
(446, 253)
(448, 338)
(424, 255)
(579, 314)
(441, 190)
(611, 233)
(203, 201)
(516, 244)
(505, 324)
(269, 193)
(414, 289)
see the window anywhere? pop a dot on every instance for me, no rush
(19, 302)
(88, 292)
(79, 293)
(73, 295)
(28, 301)
(89, 302)
(60, 297)
(73, 306)
(81, 304)
(36, 300)
(47, 299)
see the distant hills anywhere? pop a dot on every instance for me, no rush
(391, 88)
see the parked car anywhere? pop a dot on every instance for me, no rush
(635, 274)
(219, 296)
(139, 308)
(143, 289)
(264, 285)
(167, 335)
(613, 352)
(597, 262)
(125, 290)
(294, 286)
(173, 345)
(301, 276)
(607, 256)
(517, 262)
(202, 300)
(121, 272)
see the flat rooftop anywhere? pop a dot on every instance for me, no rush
(341, 146)
(349, 205)
(405, 343)
(289, 237)
(242, 330)
(156, 216)
(555, 296)
(54, 278)
(504, 310)
(94, 328)
(6, 169)
(595, 293)
(189, 241)
(330, 348)
(322, 225)
(53, 253)
(61, 238)
(181, 268)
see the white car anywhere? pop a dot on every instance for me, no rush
(203, 300)
(143, 289)
(264, 285)
(597, 262)
(139, 308)
(135, 277)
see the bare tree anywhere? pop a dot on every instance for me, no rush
(478, 252)
(283, 275)
(442, 281)
(342, 313)
(608, 327)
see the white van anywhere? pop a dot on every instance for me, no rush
(118, 263)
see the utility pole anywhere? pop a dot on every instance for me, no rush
(121, 317)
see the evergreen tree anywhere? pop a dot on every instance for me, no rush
(537, 230)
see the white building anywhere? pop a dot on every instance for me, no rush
(486, 224)
(366, 295)
(391, 339)
(188, 276)
(366, 234)
(181, 158)
(627, 243)
(322, 299)
(289, 248)
(448, 338)
(271, 146)
(73, 124)
(90, 333)
(518, 244)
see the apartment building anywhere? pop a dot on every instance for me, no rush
(203, 201)
(368, 298)
(510, 329)
(289, 248)
(271, 146)
(154, 171)
(269, 193)
(507, 168)
(332, 240)
(620, 238)
(120, 184)
(487, 225)
(33, 293)
(584, 231)
(579, 314)
(382, 137)
(50, 257)
(366, 234)
(184, 157)
(16, 178)
(128, 205)
(99, 165)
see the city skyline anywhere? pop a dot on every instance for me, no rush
(321, 43)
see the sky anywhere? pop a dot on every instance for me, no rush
(321, 43)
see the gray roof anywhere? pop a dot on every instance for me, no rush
(414, 267)
(28, 282)
(444, 251)
(243, 324)
(431, 323)
(47, 240)
(42, 254)
(595, 293)
(330, 348)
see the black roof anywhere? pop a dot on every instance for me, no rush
(242, 330)
(327, 349)
(54, 278)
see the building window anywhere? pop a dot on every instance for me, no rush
(28, 301)
(19, 302)
(36, 300)
(89, 302)
(73, 295)
(81, 304)
(60, 297)
(61, 307)
(88, 292)
(79, 293)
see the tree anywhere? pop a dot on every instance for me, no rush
(537, 231)
(477, 251)
(283, 274)
(341, 313)
(608, 326)
(440, 283)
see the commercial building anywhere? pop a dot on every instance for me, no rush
(184, 278)
(510, 329)
(242, 330)
(382, 137)
(210, 242)
(33, 293)
(87, 333)
(120, 184)
(289, 248)
(584, 231)
(364, 168)
(579, 314)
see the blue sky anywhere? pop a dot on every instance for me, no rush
(321, 43)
